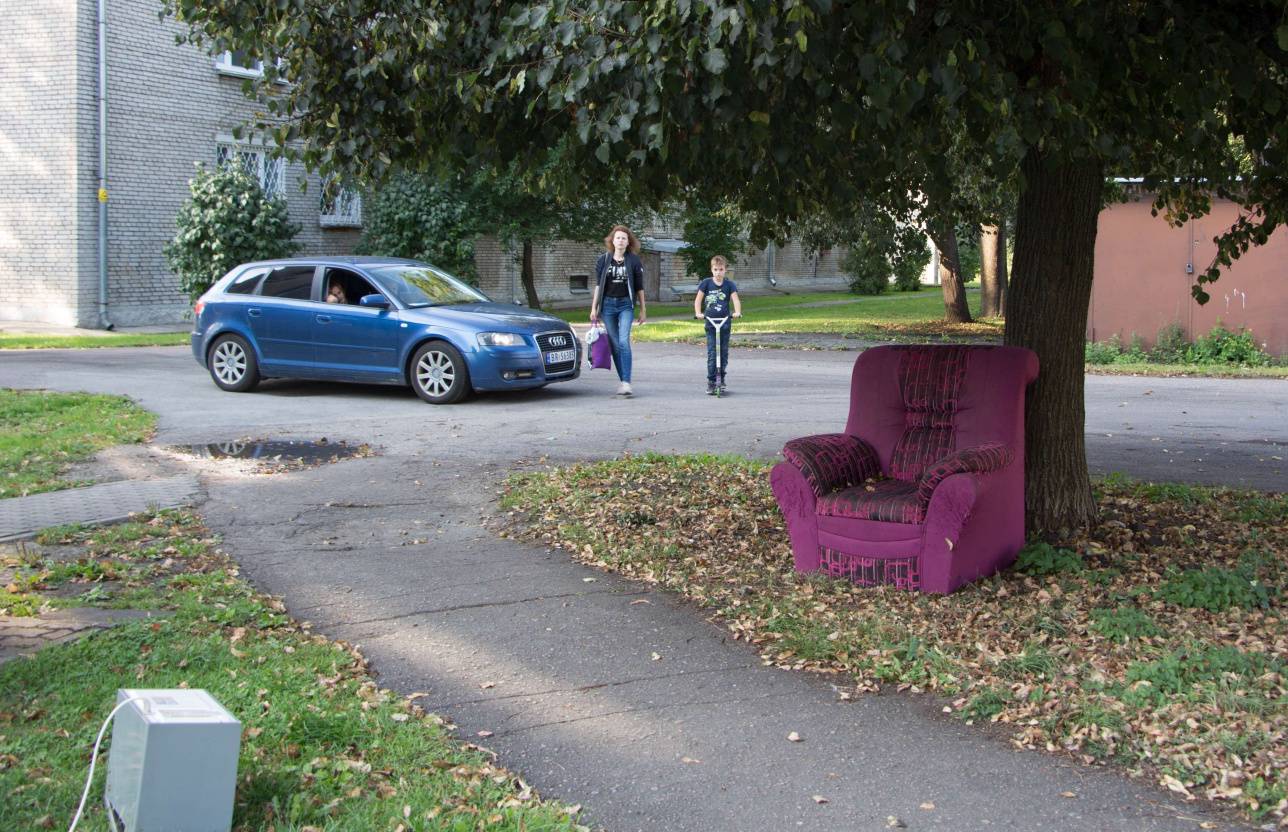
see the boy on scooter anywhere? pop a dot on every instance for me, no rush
(715, 294)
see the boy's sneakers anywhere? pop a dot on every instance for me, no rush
(624, 389)
(711, 388)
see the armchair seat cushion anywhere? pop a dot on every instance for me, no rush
(887, 500)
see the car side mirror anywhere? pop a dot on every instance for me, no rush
(374, 300)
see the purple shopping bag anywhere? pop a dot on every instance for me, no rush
(601, 352)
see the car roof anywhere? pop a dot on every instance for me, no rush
(334, 261)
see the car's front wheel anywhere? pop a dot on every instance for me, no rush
(232, 364)
(438, 373)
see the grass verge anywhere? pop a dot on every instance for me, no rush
(41, 433)
(323, 748)
(13, 341)
(1156, 642)
(1150, 368)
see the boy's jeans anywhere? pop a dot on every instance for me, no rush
(618, 314)
(725, 331)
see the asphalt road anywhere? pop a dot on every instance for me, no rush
(556, 661)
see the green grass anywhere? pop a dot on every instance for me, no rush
(1149, 368)
(323, 747)
(41, 433)
(9, 341)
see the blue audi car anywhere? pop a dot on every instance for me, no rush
(374, 319)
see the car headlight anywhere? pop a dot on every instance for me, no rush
(500, 339)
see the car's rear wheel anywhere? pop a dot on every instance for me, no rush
(438, 373)
(232, 364)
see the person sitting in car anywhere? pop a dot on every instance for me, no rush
(335, 292)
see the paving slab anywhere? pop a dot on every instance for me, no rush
(20, 636)
(105, 503)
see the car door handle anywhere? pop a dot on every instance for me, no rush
(324, 319)
(254, 313)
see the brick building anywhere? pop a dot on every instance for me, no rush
(169, 107)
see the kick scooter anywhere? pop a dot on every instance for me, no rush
(718, 323)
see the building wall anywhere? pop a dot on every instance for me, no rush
(1144, 270)
(39, 171)
(168, 110)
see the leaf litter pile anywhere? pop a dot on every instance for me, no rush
(1155, 642)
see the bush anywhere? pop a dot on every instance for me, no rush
(866, 278)
(422, 217)
(1221, 346)
(710, 229)
(1102, 352)
(1171, 345)
(882, 251)
(227, 220)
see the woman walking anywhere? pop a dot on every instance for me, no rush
(619, 289)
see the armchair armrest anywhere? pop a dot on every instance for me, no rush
(981, 459)
(832, 460)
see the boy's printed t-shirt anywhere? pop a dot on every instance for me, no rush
(616, 286)
(716, 296)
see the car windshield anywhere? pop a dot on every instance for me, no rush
(424, 285)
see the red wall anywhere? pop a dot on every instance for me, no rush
(1141, 282)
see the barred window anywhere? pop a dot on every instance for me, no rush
(339, 206)
(268, 170)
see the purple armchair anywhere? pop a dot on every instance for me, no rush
(925, 488)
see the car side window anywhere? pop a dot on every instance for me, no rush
(246, 283)
(294, 282)
(345, 287)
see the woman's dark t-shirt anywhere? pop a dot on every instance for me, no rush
(615, 286)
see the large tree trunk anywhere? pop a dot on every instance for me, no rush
(992, 270)
(528, 277)
(1046, 311)
(956, 310)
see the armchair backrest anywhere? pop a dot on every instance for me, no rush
(917, 404)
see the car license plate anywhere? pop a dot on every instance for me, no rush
(560, 356)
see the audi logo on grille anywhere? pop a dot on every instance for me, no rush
(558, 341)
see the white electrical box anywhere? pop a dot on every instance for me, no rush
(173, 764)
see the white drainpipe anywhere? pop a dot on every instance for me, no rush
(103, 320)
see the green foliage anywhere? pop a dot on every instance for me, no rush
(1222, 346)
(1171, 345)
(879, 249)
(1215, 590)
(1045, 559)
(1154, 682)
(227, 220)
(423, 217)
(1219, 347)
(985, 705)
(710, 229)
(1123, 623)
(1103, 352)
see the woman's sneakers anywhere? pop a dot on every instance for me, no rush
(624, 389)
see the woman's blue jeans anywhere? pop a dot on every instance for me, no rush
(618, 315)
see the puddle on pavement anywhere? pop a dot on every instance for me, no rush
(274, 455)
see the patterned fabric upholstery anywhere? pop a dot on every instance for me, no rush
(832, 460)
(901, 573)
(890, 501)
(929, 380)
(980, 459)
